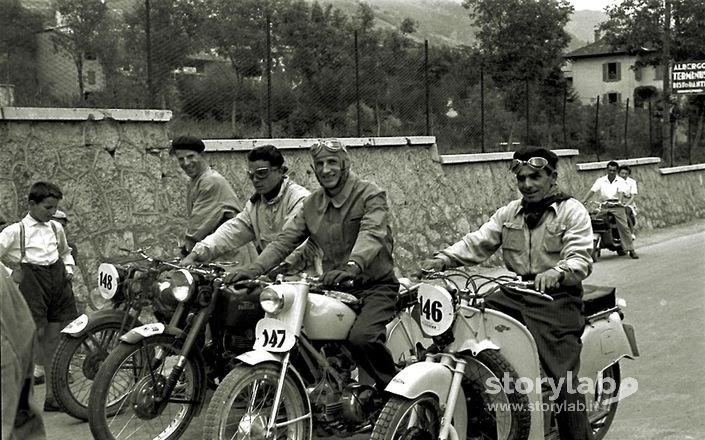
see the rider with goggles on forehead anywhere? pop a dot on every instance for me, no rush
(348, 218)
(277, 199)
(546, 236)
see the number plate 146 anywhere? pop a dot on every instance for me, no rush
(273, 335)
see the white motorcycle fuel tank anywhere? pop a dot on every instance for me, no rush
(327, 319)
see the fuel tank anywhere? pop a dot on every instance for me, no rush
(327, 318)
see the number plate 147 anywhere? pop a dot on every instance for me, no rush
(273, 335)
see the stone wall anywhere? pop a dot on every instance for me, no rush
(123, 189)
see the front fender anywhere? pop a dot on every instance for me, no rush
(84, 323)
(422, 377)
(144, 331)
(434, 378)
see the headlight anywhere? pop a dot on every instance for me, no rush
(181, 284)
(96, 299)
(271, 300)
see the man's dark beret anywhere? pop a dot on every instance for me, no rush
(188, 143)
(526, 153)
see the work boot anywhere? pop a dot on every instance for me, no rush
(633, 255)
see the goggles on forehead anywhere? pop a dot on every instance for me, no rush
(332, 146)
(260, 173)
(537, 163)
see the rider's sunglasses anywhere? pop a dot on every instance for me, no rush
(332, 146)
(537, 163)
(260, 173)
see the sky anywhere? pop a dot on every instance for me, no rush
(594, 5)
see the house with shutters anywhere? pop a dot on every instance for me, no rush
(612, 74)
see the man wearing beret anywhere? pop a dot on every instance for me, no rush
(348, 219)
(546, 236)
(210, 200)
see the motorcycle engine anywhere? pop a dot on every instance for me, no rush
(359, 402)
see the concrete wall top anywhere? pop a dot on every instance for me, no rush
(453, 159)
(82, 114)
(682, 169)
(297, 144)
(588, 166)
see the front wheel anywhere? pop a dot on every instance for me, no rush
(126, 400)
(76, 363)
(242, 406)
(409, 419)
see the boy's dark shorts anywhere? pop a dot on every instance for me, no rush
(48, 293)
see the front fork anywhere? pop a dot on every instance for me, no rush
(458, 367)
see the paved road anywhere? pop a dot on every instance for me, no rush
(665, 293)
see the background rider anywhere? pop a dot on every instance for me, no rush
(613, 187)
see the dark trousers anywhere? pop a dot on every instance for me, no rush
(369, 333)
(556, 327)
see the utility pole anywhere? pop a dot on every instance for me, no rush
(666, 62)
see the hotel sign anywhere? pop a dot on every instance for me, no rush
(688, 77)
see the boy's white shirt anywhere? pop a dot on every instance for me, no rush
(42, 245)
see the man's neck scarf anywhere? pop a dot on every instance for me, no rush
(533, 212)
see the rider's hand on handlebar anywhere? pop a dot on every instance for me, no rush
(341, 275)
(548, 280)
(241, 273)
(430, 265)
(188, 260)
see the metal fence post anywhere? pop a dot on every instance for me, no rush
(526, 141)
(428, 90)
(357, 86)
(597, 129)
(269, 75)
(626, 131)
(565, 103)
(482, 107)
(148, 43)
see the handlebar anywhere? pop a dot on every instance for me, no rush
(315, 286)
(473, 290)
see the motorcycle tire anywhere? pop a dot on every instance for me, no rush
(230, 412)
(134, 413)
(76, 363)
(403, 418)
(480, 415)
(601, 420)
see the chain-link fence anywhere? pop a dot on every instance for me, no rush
(255, 69)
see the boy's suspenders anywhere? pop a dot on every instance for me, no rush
(22, 239)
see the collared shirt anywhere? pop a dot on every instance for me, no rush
(42, 246)
(563, 239)
(210, 197)
(631, 185)
(354, 225)
(260, 222)
(607, 190)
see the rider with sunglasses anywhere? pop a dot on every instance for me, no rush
(277, 199)
(546, 236)
(348, 218)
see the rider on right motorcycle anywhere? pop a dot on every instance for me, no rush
(613, 187)
(348, 218)
(546, 237)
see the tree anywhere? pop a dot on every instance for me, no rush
(84, 29)
(521, 39)
(18, 47)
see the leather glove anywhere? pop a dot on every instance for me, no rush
(430, 265)
(188, 260)
(240, 274)
(341, 274)
(281, 269)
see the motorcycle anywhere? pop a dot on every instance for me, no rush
(604, 229)
(155, 381)
(300, 375)
(460, 390)
(125, 290)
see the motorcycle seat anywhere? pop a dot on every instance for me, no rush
(598, 298)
